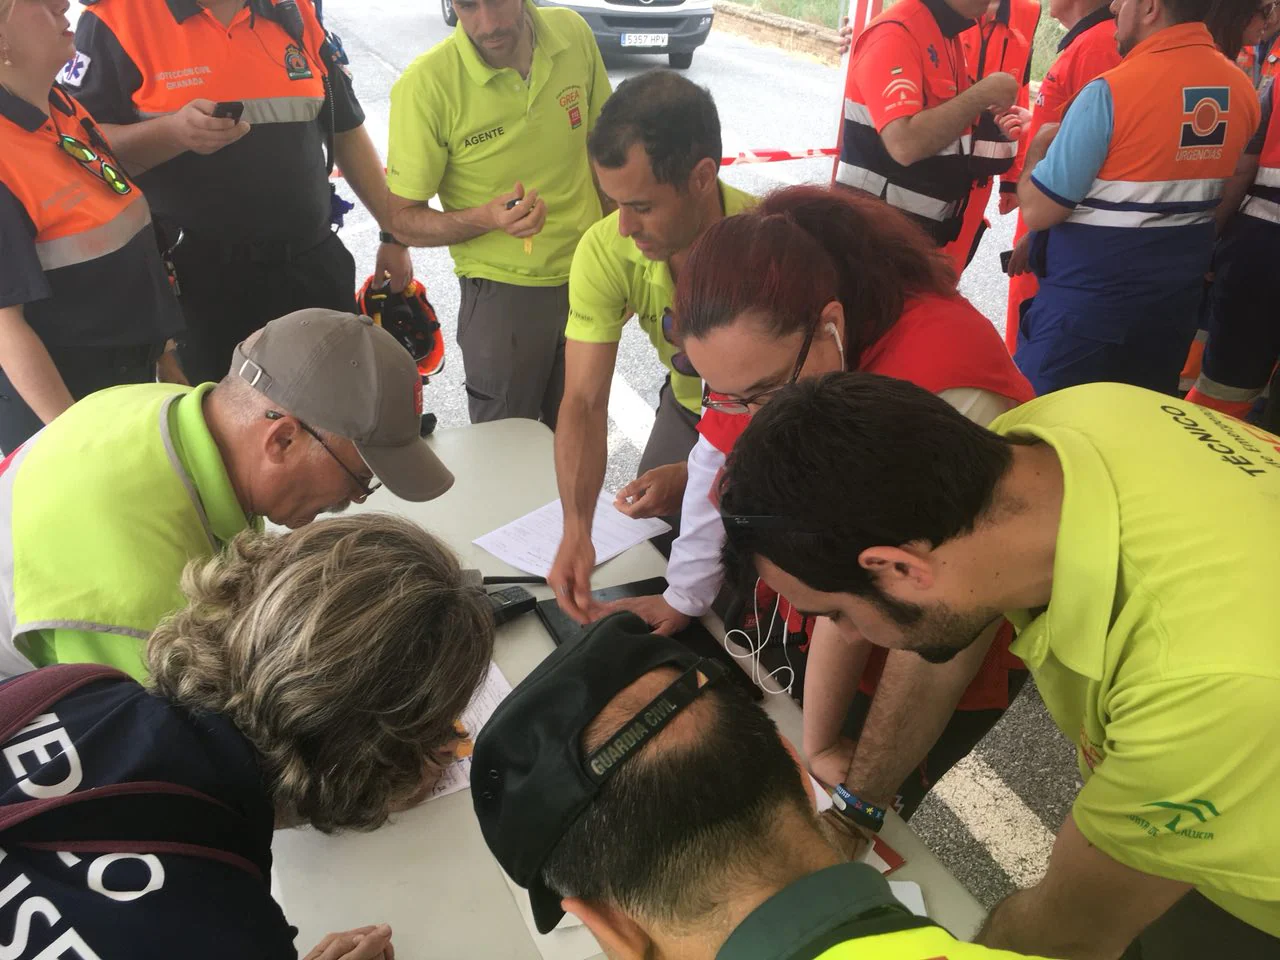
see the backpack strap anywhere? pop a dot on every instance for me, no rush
(28, 695)
(135, 817)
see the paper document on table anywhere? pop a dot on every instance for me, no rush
(909, 895)
(493, 691)
(883, 857)
(568, 941)
(530, 543)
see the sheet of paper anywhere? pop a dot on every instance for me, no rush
(569, 941)
(821, 798)
(909, 895)
(883, 857)
(491, 693)
(530, 543)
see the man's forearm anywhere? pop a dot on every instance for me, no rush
(362, 169)
(421, 226)
(1234, 189)
(831, 678)
(142, 146)
(1022, 923)
(914, 701)
(26, 362)
(930, 131)
(581, 446)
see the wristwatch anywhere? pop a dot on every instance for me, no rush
(857, 811)
(385, 237)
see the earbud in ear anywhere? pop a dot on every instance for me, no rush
(831, 328)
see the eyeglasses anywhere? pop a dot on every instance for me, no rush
(680, 361)
(98, 165)
(738, 405)
(1267, 10)
(366, 489)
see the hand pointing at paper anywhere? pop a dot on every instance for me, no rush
(570, 576)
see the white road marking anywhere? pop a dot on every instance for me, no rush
(998, 819)
(632, 417)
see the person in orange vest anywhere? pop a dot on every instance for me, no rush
(909, 113)
(84, 301)
(236, 111)
(1000, 41)
(1123, 195)
(1088, 49)
(1244, 333)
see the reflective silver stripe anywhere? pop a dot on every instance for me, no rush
(273, 110)
(1137, 218)
(176, 462)
(918, 203)
(11, 661)
(98, 242)
(1262, 209)
(996, 149)
(1220, 391)
(861, 178)
(1268, 177)
(283, 109)
(858, 113)
(1155, 191)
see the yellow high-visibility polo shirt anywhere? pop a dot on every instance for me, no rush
(469, 132)
(612, 280)
(1159, 652)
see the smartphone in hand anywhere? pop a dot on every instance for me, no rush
(229, 110)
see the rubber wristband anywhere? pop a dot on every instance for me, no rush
(384, 237)
(858, 811)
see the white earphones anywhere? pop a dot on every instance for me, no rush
(839, 343)
(755, 646)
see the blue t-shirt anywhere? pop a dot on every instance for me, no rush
(1077, 153)
(78, 905)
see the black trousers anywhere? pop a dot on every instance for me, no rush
(1196, 928)
(226, 297)
(84, 370)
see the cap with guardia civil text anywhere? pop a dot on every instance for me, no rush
(339, 372)
(530, 780)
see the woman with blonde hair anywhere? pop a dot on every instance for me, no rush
(312, 678)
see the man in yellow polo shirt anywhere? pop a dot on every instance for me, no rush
(656, 153)
(495, 120)
(101, 510)
(1150, 628)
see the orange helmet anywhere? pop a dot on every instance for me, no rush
(409, 317)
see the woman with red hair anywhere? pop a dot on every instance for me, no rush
(810, 282)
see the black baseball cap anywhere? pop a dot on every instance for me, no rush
(530, 780)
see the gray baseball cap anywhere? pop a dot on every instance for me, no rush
(342, 373)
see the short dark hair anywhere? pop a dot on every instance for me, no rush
(1227, 20)
(679, 823)
(855, 460)
(674, 119)
(1192, 11)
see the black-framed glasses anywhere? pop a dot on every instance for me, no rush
(737, 405)
(366, 489)
(97, 164)
(680, 361)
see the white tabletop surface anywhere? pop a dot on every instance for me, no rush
(428, 873)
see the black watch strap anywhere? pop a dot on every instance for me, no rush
(385, 237)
